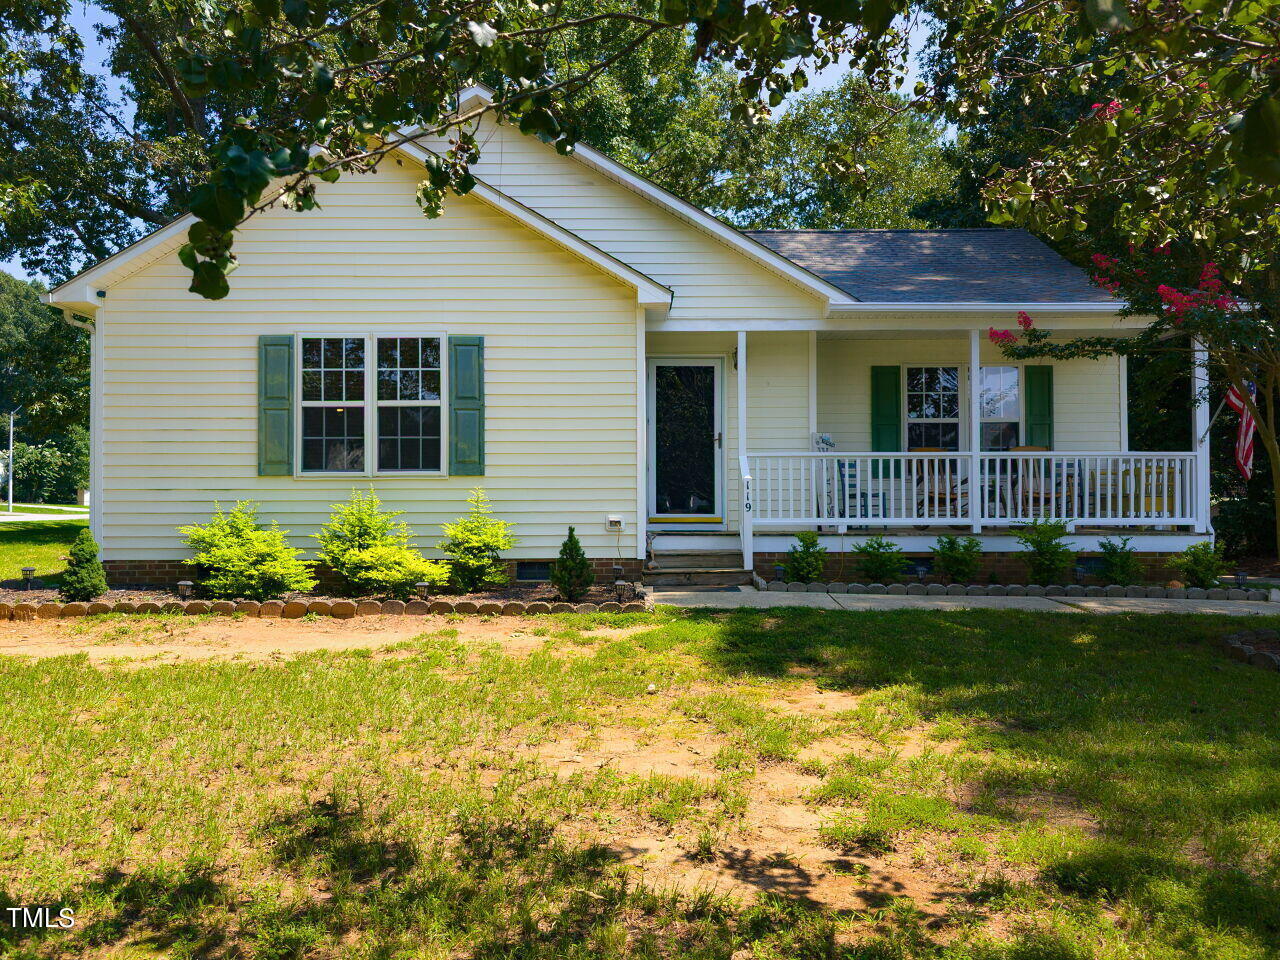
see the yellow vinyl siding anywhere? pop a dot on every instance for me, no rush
(711, 280)
(179, 373)
(1086, 393)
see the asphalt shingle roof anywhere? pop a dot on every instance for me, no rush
(935, 266)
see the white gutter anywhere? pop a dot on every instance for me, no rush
(974, 306)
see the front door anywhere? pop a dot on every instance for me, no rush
(686, 440)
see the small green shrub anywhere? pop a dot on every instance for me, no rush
(1047, 554)
(1200, 565)
(84, 578)
(805, 560)
(474, 545)
(571, 574)
(369, 549)
(957, 558)
(881, 560)
(235, 556)
(1119, 562)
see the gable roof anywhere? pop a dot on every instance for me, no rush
(741, 241)
(984, 265)
(84, 293)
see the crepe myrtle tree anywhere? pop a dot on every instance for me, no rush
(1187, 302)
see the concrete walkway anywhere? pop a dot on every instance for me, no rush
(5, 516)
(749, 597)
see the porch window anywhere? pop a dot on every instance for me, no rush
(397, 413)
(933, 408)
(1000, 405)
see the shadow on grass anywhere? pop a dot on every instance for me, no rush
(501, 886)
(1136, 719)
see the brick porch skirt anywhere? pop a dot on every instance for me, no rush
(1004, 567)
(167, 573)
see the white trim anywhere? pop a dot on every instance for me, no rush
(642, 439)
(1200, 432)
(1124, 403)
(97, 444)
(937, 320)
(649, 293)
(976, 306)
(717, 519)
(370, 403)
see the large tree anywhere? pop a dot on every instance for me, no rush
(44, 364)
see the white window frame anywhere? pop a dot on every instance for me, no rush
(1021, 419)
(961, 397)
(370, 404)
(965, 387)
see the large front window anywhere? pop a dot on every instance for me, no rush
(394, 418)
(933, 408)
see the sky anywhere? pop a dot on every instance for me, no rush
(84, 16)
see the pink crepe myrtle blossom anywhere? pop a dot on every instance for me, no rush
(1001, 337)
(1106, 110)
(1024, 320)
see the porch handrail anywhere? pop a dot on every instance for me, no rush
(1106, 488)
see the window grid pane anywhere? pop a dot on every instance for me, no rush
(409, 407)
(333, 438)
(332, 369)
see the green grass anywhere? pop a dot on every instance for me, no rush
(1095, 787)
(36, 543)
(42, 508)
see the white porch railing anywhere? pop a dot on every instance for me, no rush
(915, 489)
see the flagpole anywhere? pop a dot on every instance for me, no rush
(1221, 403)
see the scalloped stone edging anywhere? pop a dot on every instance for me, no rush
(1013, 590)
(295, 609)
(1238, 647)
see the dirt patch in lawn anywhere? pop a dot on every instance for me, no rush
(170, 639)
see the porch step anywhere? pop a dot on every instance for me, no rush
(698, 576)
(722, 568)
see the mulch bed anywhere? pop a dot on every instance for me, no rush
(516, 600)
(11, 592)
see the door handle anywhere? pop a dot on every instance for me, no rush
(719, 439)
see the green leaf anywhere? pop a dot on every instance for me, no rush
(209, 280)
(296, 12)
(219, 205)
(1255, 140)
(1108, 14)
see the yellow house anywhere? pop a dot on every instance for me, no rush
(596, 352)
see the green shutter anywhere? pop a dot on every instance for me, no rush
(886, 409)
(275, 406)
(466, 406)
(1039, 387)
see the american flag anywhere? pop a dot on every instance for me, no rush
(1244, 436)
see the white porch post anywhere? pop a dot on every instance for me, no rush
(975, 436)
(1200, 432)
(744, 470)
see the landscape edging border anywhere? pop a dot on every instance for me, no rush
(1237, 648)
(296, 609)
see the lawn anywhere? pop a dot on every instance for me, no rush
(36, 543)
(976, 785)
(41, 508)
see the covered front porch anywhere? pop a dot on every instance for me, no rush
(756, 434)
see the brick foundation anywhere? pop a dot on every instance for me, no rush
(167, 573)
(992, 567)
